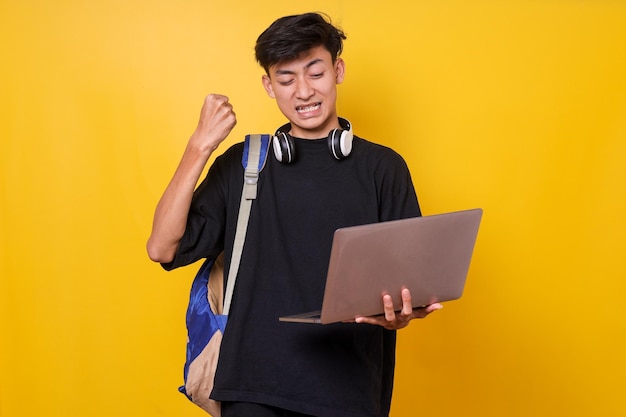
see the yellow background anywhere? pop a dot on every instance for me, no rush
(518, 107)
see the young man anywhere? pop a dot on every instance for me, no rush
(267, 367)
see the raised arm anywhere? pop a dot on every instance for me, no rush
(217, 119)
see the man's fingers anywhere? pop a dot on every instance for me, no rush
(407, 306)
(390, 314)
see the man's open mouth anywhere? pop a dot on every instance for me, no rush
(308, 108)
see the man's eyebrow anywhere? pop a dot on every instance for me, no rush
(307, 66)
(315, 61)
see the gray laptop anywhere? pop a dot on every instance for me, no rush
(429, 255)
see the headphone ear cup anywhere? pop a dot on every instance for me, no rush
(346, 142)
(284, 148)
(340, 143)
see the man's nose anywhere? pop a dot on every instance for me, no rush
(304, 90)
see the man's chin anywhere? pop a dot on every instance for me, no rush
(310, 127)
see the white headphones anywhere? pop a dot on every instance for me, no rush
(339, 142)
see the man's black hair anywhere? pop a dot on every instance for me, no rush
(290, 36)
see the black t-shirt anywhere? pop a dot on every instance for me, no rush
(332, 370)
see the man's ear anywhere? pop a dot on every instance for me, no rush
(340, 70)
(267, 84)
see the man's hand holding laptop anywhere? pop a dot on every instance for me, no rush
(393, 320)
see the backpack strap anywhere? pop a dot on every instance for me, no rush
(254, 157)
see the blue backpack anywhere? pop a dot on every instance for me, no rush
(208, 308)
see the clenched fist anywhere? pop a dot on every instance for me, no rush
(217, 119)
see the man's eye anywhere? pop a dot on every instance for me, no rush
(285, 83)
(317, 75)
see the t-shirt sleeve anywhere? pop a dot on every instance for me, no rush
(397, 198)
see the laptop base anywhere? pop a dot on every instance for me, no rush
(311, 317)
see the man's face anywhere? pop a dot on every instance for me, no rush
(305, 90)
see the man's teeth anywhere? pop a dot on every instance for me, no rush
(308, 108)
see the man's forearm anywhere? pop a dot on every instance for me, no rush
(170, 217)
